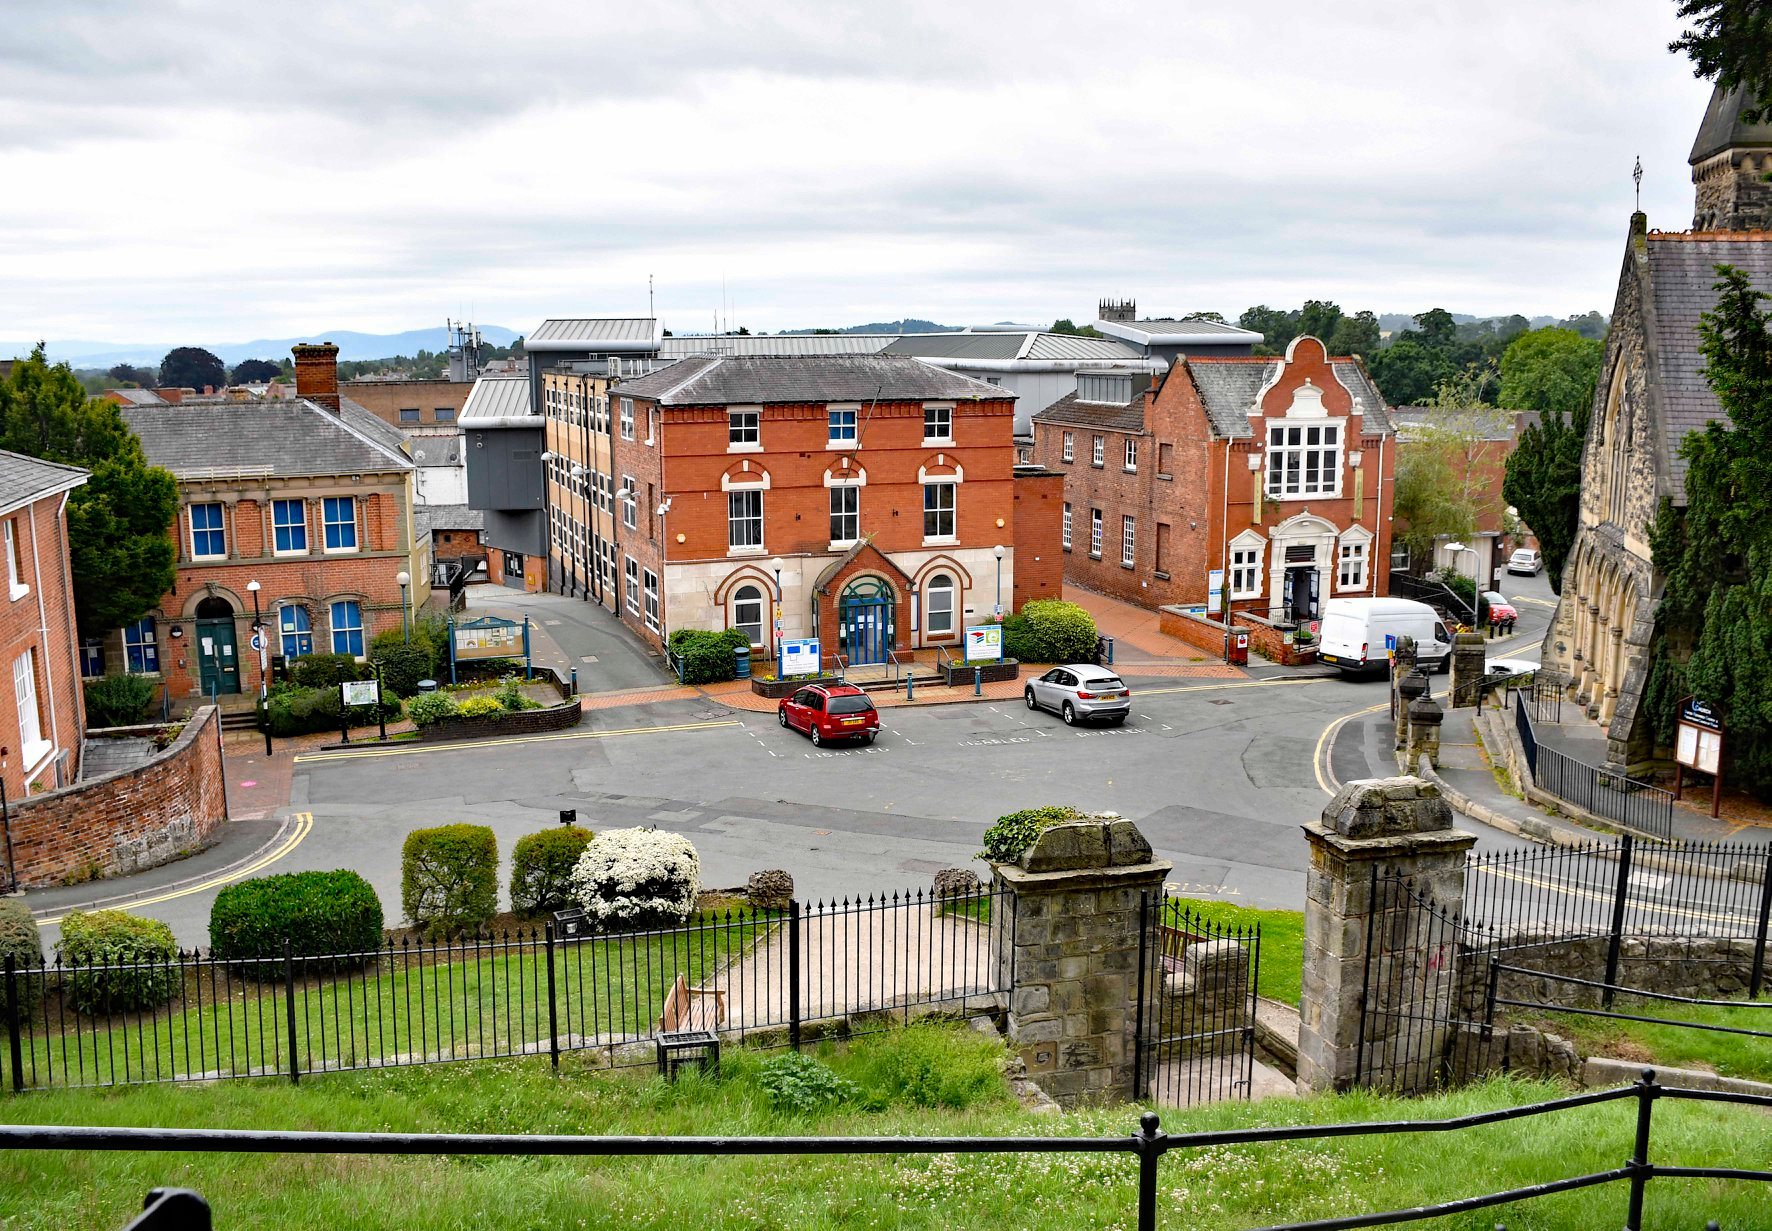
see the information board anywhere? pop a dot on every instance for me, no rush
(800, 657)
(984, 643)
(490, 637)
(360, 692)
(1215, 591)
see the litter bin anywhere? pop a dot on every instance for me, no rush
(1239, 647)
(741, 662)
(427, 685)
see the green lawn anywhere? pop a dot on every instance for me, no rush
(449, 1002)
(1282, 941)
(900, 1081)
(1733, 1055)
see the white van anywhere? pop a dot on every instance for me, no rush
(1354, 633)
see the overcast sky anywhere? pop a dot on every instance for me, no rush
(222, 171)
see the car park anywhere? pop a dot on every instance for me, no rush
(828, 712)
(1080, 692)
(1526, 560)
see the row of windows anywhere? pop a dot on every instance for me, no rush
(289, 527)
(573, 407)
(1098, 451)
(642, 595)
(295, 638)
(1128, 535)
(747, 608)
(744, 428)
(440, 414)
(1302, 460)
(744, 515)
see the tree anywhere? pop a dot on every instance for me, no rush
(192, 367)
(1716, 553)
(1731, 42)
(1355, 335)
(1428, 501)
(1543, 482)
(122, 554)
(252, 371)
(1408, 371)
(1065, 326)
(1550, 369)
(129, 374)
(1589, 325)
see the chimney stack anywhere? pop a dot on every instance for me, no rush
(316, 373)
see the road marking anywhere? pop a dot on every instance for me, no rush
(1152, 692)
(304, 825)
(1320, 762)
(344, 755)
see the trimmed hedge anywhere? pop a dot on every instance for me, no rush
(541, 869)
(319, 913)
(106, 940)
(301, 711)
(403, 666)
(449, 879)
(1050, 630)
(324, 670)
(118, 700)
(21, 941)
(708, 657)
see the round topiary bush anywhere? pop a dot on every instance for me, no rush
(23, 943)
(1050, 630)
(630, 879)
(541, 869)
(449, 878)
(115, 962)
(332, 916)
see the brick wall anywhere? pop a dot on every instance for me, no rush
(644, 465)
(385, 399)
(316, 373)
(126, 821)
(40, 619)
(1039, 555)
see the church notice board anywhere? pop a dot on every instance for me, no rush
(1698, 744)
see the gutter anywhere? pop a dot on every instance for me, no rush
(1138, 363)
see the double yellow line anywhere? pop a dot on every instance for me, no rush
(304, 825)
(1325, 747)
(406, 750)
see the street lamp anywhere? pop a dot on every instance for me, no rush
(997, 551)
(776, 565)
(264, 692)
(404, 579)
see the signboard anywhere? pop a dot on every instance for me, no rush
(488, 637)
(800, 657)
(1701, 714)
(1697, 748)
(1698, 744)
(360, 692)
(1215, 591)
(984, 643)
(258, 641)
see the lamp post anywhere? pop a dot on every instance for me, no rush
(664, 555)
(581, 578)
(776, 565)
(264, 691)
(404, 579)
(997, 551)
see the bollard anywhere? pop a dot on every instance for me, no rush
(575, 681)
(910, 686)
(978, 681)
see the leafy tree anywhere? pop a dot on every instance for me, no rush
(1408, 371)
(1437, 328)
(1355, 335)
(1731, 42)
(122, 555)
(1543, 482)
(252, 371)
(1274, 324)
(1550, 369)
(1205, 316)
(1066, 326)
(1319, 318)
(1428, 501)
(129, 374)
(1716, 553)
(1589, 325)
(192, 367)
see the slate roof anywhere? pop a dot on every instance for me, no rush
(1227, 389)
(1102, 416)
(959, 345)
(293, 437)
(435, 518)
(595, 333)
(1723, 128)
(138, 397)
(24, 479)
(1682, 277)
(829, 378)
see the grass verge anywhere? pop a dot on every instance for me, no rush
(1733, 1055)
(1282, 941)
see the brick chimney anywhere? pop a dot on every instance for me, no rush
(316, 373)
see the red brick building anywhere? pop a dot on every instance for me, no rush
(309, 497)
(1272, 473)
(874, 494)
(42, 716)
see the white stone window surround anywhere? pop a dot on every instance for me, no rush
(1287, 436)
(853, 439)
(943, 438)
(1354, 537)
(925, 480)
(1303, 529)
(744, 480)
(1246, 551)
(742, 422)
(846, 473)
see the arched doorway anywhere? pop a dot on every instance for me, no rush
(219, 665)
(865, 621)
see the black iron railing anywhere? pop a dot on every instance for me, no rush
(1149, 1145)
(196, 1017)
(1634, 804)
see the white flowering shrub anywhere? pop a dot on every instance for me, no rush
(629, 879)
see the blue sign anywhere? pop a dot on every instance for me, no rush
(1390, 641)
(800, 657)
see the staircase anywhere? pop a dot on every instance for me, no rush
(890, 676)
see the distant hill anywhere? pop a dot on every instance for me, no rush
(908, 325)
(351, 345)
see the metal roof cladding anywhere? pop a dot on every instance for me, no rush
(596, 333)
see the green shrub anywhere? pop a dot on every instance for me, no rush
(1010, 835)
(800, 1085)
(118, 700)
(511, 699)
(324, 670)
(1459, 584)
(928, 1065)
(403, 666)
(430, 707)
(319, 913)
(301, 711)
(116, 962)
(449, 879)
(478, 707)
(708, 657)
(541, 869)
(23, 943)
(1050, 630)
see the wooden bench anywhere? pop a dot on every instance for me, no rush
(688, 1028)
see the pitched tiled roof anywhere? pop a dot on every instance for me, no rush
(1227, 389)
(436, 518)
(138, 397)
(1682, 278)
(830, 378)
(1103, 416)
(293, 437)
(26, 479)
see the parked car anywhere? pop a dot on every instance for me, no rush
(1080, 691)
(830, 711)
(1526, 560)
(1499, 606)
(1355, 632)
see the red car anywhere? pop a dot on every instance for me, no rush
(830, 711)
(1499, 607)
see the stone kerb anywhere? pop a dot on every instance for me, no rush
(1068, 943)
(1371, 829)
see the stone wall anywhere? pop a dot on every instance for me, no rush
(123, 822)
(1704, 968)
(524, 722)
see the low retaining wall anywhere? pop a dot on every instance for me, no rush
(1265, 638)
(125, 821)
(776, 689)
(1701, 967)
(989, 673)
(523, 722)
(1196, 630)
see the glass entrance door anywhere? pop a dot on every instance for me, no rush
(864, 621)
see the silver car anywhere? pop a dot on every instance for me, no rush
(1079, 691)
